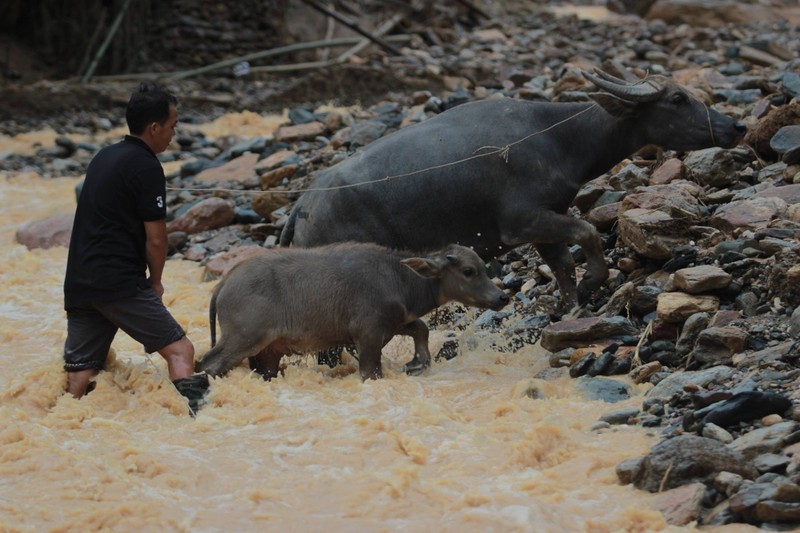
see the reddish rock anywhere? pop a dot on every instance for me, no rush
(584, 331)
(211, 213)
(275, 176)
(682, 505)
(300, 132)
(788, 193)
(678, 306)
(753, 214)
(604, 217)
(48, 233)
(266, 202)
(274, 160)
(703, 278)
(235, 170)
(669, 171)
(221, 264)
(724, 317)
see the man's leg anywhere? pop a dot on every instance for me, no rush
(89, 337)
(145, 318)
(78, 382)
(180, 358)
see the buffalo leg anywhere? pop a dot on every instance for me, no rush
(266, 362)
(559, 259)
(418, 331)
(552, 228)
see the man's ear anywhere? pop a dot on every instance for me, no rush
(423, 266)
(615, 106)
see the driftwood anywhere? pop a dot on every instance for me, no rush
(354, 26)
(111, 32)
(348, 41)
(363, 43)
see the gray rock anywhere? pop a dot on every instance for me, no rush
(786, 142)
(713, 431)
(794, 322)
(603, 389)
(675, 382)
(771, 462)
(688, 459)
(626, 468)
(714, 167)
(691, 329)
(763, 440)
(718, 345)
(627, 179)
(619, 417)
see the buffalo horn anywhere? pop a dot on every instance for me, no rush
(645, 91)
(608, 77)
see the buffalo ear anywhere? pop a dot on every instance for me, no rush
(423, 266)
(615, 106)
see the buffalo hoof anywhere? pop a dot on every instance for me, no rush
(414, 368)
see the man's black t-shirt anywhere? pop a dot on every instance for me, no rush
(124, 187)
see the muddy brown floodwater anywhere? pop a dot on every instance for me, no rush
(460, 449)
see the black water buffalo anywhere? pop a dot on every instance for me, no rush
(495, 174)
(299, 301)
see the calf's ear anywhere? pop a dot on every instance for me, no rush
(615, 106)
(423, 266)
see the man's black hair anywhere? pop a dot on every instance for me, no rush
(149, 103)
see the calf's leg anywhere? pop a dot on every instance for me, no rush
(369, 355)
(229, 352)
(418, 331)
(266, 362)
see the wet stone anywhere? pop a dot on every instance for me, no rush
(786, 142)
(700, 279)
(763, 440)
(619, 417)
(603, 389)
(582, 331)
(746, 406)
(771, 462)
(687, 459)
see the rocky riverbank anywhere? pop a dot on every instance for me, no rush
(703, 300)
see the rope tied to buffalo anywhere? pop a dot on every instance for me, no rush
(502, 151)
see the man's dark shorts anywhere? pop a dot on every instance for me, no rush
(91, 329)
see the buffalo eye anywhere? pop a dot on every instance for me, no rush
(679, 98)
(469, 272)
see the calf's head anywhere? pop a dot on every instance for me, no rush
(665, 113)
(462, 277)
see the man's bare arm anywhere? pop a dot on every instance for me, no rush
(156, 249)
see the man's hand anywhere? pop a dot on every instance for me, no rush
(158, 287)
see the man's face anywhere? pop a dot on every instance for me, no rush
(162, 135)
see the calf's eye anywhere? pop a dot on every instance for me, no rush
(469, 272)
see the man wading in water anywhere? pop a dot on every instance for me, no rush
(120, 234)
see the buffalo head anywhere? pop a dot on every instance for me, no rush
(666, 114)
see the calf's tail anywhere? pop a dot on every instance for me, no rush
(212, 313)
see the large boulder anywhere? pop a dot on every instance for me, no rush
(688, 459)
(47, 233)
